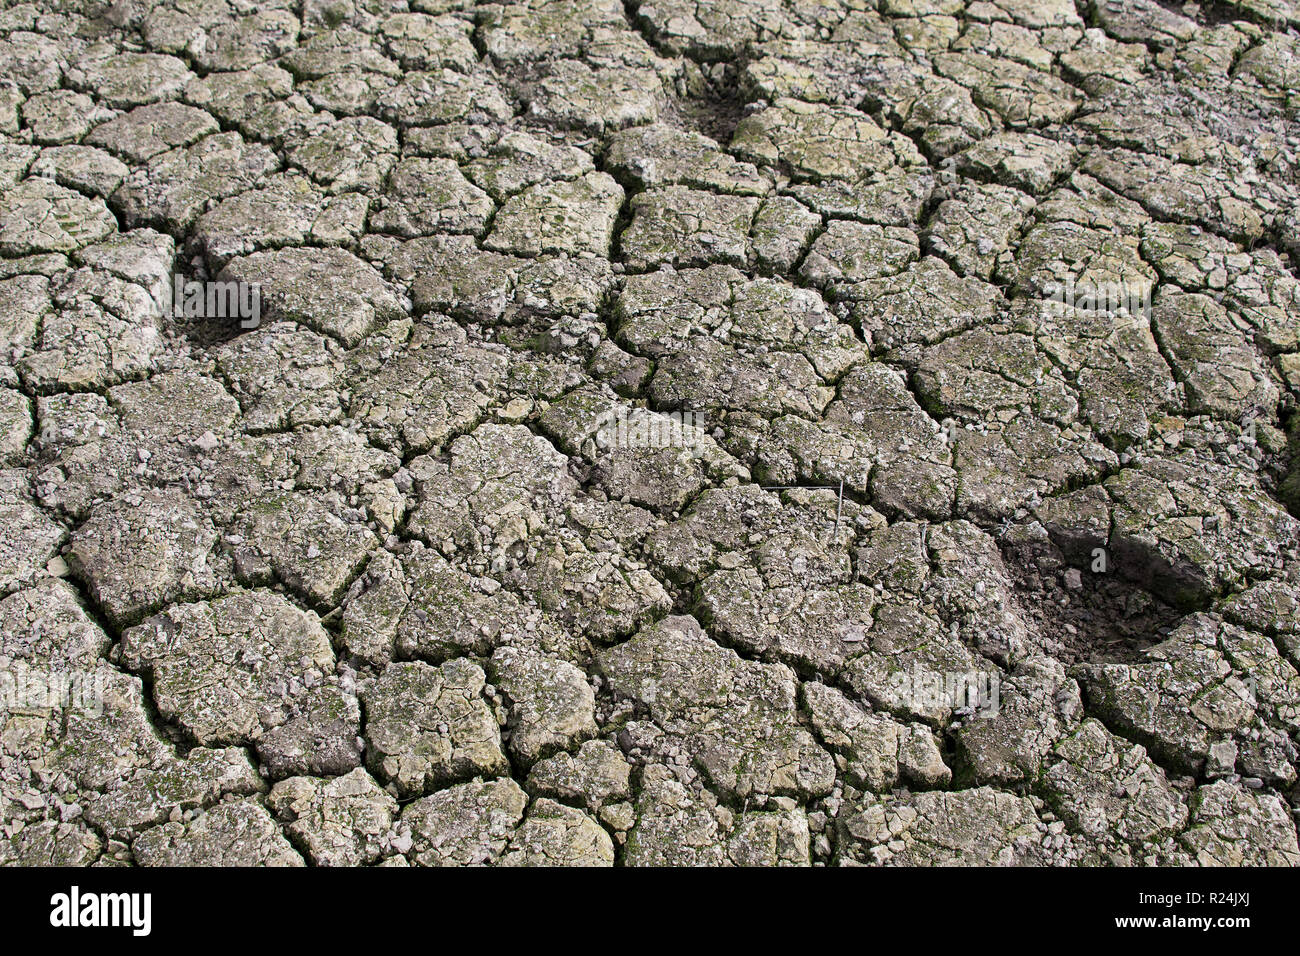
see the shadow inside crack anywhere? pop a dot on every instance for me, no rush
(1288, 489)
(1083, 616)
(713, 103)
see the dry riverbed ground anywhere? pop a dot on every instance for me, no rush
(672, 432)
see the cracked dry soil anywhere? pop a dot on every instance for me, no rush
(368, 583)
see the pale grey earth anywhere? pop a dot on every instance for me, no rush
(367, 584)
